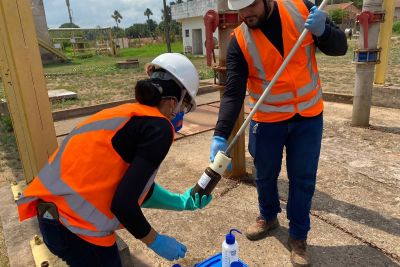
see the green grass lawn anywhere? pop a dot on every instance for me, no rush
(106, 64)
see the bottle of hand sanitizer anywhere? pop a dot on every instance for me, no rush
(230, 249)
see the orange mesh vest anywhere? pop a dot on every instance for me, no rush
(82, 176)
(298, 89)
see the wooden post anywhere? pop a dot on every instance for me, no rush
(239, 150)
(112, 46)
(22, 73)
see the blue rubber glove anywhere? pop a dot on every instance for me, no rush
(217, 143)
(315, 22)
(168, 247)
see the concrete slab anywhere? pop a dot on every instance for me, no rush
(65, 127)
(356, 209)
(338, 236)
(61, 94)
(203, 119)
(213, 97)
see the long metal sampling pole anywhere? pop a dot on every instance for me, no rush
(272, 83)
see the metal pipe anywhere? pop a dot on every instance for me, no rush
(272, 83)
(365, 72)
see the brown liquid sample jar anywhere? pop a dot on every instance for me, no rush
(206, 183)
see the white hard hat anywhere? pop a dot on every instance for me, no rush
(239, 4)
(183, 70)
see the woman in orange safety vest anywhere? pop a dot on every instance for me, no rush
(103, 173)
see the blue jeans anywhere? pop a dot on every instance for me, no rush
(74, 250)
(302, 140)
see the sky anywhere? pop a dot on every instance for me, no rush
(93, 13)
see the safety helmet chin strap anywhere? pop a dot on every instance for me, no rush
(179, 104)
(164, 75)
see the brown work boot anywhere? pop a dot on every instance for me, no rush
(260, 228)
(299, 255)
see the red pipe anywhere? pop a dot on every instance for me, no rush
(211, 22)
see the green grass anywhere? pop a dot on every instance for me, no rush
(150, 50)
(103, 65)
(8, 146)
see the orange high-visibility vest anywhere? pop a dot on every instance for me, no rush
(82, 175)
(298, 89)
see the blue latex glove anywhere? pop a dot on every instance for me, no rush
(217, 143)
(196, 203)
(315, 22)
(166, 200)
(168, 247)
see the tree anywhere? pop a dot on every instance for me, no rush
(358, 3)
(179, 1)
(117, 17)
(137, 30)
(338, 15)
(69, 11)
(69, 25)
(148, 13)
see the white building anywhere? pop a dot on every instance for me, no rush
(397, 11)
(190, 14)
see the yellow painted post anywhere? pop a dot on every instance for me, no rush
(384, 41)
(25, 88)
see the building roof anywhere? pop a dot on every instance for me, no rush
(340, 6)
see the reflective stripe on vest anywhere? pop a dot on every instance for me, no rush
(275, 99)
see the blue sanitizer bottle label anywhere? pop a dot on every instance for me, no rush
(228, 257)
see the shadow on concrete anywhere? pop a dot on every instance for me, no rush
(384, 129)
(339, 255)
(371, 218)
(138, 261)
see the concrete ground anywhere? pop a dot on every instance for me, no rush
(356, 209)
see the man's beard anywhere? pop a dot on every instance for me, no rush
(260, 20)
(255, 22)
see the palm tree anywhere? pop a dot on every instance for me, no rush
(148, 13)
(117, 17)
(69, 11)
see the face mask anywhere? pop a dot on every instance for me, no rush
(177, 121)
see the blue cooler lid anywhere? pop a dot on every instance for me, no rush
(216, 261)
